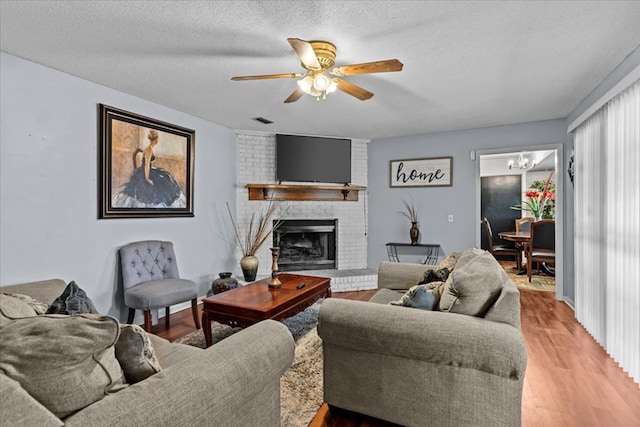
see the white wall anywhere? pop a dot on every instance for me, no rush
(48, 218)
(387, 225)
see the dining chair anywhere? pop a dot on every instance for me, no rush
(542, 246)
(150, 280)
(505, 250)
(524, 223)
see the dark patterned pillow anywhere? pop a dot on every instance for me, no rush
(72, 301)
(440, 275)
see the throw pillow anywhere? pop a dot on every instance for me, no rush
(12, 307)
(449, 262)
(419, 296)
(437, 288)
(434, 276)
(475, 284)
(64, 362)
(135, 354)
(72, 301)
(38, 306)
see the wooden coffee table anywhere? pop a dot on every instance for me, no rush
(254, 302)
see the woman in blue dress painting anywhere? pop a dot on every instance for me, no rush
(150, 186)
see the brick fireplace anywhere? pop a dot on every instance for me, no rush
(255, 163)
(306, 244)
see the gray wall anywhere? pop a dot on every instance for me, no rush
(48, 220)
(387, 225)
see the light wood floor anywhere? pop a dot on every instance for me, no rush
(570, 380)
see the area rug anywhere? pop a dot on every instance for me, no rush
(539, 282)
(301, 385)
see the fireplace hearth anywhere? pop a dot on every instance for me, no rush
(306, 244)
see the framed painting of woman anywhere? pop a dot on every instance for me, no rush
(145, 166)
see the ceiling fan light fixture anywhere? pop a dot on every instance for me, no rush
(332, 86)
(306, 84)
(317, 57)
(321, 82)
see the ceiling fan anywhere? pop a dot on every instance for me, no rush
(318, 57)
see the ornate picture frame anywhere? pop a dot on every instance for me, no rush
(426, 172)
(145, 166)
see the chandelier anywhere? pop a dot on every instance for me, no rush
(521, 163)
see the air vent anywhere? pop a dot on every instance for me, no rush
(263, 120)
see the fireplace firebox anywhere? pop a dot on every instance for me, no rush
(306, 244)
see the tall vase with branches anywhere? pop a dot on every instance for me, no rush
(413, 214)
(259, 229)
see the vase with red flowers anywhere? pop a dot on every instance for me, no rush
(540, 200)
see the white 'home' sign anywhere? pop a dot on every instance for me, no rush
(430, 172)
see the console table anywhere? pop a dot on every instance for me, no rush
(431, 251)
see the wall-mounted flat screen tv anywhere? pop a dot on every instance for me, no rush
(313, 159)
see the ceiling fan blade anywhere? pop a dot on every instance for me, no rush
(297, 94)
(353, 90)
(305, 52)
(267, 76)
(368, 68)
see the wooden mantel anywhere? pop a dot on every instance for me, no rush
(303, 192)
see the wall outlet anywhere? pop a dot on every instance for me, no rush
(450, 217)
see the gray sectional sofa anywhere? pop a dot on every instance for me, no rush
(419, 367)
(233, 383)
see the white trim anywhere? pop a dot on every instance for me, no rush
(615, 90)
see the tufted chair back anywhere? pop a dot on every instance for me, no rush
(146, 261)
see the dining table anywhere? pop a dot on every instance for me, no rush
(520, 238)
(523, 239)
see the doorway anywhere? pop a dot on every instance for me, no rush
(501, 168)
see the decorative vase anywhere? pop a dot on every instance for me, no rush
(224, 283)
(414, 233)
(249, 265)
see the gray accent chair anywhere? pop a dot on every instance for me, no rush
(150, 280)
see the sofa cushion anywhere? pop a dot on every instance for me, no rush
(14, 307)
(18, 408)
(385, 296)
(65, 362)
(38, 306)
(73, 300)
(475, 285)
(172, 353)
(42, 290)
(135, 354)
(419, 296)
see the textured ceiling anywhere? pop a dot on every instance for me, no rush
(466, 64)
